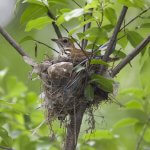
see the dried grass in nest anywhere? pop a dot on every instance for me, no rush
(63, 88)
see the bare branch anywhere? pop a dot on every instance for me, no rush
(112, 43)
(56, 28)
(12, 42)
(130, 56)
(115, 33)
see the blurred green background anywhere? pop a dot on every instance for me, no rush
(20, 118)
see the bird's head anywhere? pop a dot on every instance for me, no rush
(64, 43)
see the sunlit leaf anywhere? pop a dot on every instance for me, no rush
(103, 83)
(3, 73)
(134, 105)
(38, 23)
(89, 92)
(125, 122)
(74, 14)
(32, 12)
(136, 92)
(39, 2)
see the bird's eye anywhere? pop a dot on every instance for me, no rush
(65, 40)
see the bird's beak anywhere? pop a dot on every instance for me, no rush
(55, 40)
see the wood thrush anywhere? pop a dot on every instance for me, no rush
(67, 47)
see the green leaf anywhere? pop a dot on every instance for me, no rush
(135, 39)
(98, 61)
(147, 135)
(32, 12)
(134, 105)
(133, 3)
(15, 88)
(79, 26)
(38, 23)
(38, 2)
(119, 54)
(136, 92)
(96, 34)
(126, 2)
(145, 25)
(70, 15)
(103, 83)
(108, 27)
(125, 122)
(92, 4)
(74, 14)
(98, 135)
(89, 92)
(27, 38)
(110, 15)
(5, 137)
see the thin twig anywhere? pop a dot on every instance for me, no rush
(144, 11)
(142, 134)
(130, 56)
(113, 39)
(12, 42)
(77, 4)
(46, 45)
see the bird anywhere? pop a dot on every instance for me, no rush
(67, 46)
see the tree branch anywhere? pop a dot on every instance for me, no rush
(56, 28)
(112, 43)
(130, 56)
(115, 33)
(73, 128)
(12, 42)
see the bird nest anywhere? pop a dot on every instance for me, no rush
(64, 84)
